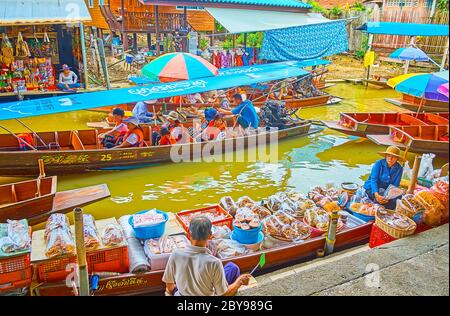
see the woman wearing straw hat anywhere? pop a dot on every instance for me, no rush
(385, 172)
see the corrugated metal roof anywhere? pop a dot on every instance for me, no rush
(269, 3)
(43, 11)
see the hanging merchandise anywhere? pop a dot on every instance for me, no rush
(224, 60)
(47, 48)
(7, 51)
(22, 50)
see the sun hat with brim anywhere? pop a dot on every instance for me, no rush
(65, 67)
(132, 120)
(392, 151)
(173, 116)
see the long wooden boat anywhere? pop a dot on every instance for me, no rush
(297, 103)
(417, 139)
(363, 124)
(356, 232)
(379, 83)
(79, 151)
(37, 199)
(412, 103)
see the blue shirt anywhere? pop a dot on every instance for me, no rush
(382, 176)
(248, 113)
(140, 111)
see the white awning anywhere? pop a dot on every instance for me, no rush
(247, 21)
(14, 12)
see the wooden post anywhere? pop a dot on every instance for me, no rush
(411, 43)
(41, 168)
(83, 54)
(445, 56)
(149, 41)
(158, 50)
(81, 253)
(415, 173)
(185, 41)
(124, 34)
(102, 56)
(135, 44)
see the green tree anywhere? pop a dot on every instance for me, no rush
(335, 11)
(442, 5)
(358, 6)
(316, 7)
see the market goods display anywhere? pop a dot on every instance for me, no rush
(165, 244)
(245, 219)
(320, 219)
(149, 218)
(220, 231)
(245, 201)
(395, 224)
(434, 209)
(294, 204)
(440, 191)
(112, 235)
(16, 237)
(409, 206)
(228, 205)
(213, 214)
(58, 236)
(285, 227)
(365, 208)
(322, 196)
(261, 211)
(227, 248)
(91, 238)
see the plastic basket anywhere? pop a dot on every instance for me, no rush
(15, 280)
(149, 232)
(54, 270)
(228, 220)
(378, 237)
(108, 260)
(246, 236)
(12, 264)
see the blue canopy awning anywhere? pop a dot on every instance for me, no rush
(405, 29)
(227, 78)
(314, 62)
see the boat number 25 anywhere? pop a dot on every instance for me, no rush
(106, 157)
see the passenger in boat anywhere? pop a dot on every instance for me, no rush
(175, 127)
(195, 98)
(141, 113)
(68, 80)
(216, 129)
(135, 135)
(245, 112)
(385, 172)
(115, 136)
(223, 100)
(194, 271)
(166, 137)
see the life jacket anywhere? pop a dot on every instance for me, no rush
(213, 131)
(139, 133)
(24, 139)
(167, 140)
(182, 133)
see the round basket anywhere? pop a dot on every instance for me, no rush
(149, 232)
(393, 231)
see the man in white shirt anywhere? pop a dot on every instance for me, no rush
(194, 271)
(68, 80)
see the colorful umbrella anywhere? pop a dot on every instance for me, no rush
(179, 66)
(410, 53)
(421, 85)
(443, 89)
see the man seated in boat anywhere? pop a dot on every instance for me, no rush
(224, 103)
(135, 135)
(385, 172)
(216, 129)
(194, 271)
(166, 137)
(177, 130)
(245, 112)
(115, 136)
(141, 113)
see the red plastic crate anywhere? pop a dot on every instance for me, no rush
(378, 237)
(54, 270)
(12, 264)
(108, 260)
(228, 220)
(14, 280)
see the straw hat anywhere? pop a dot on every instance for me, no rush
(173, 116)
(392, 151)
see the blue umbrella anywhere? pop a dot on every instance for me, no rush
(410, 53)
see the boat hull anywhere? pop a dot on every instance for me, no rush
(76, 161)
(151, 283)
(412, 104)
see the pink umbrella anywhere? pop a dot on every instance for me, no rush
(443, 89)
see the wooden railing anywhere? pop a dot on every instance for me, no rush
(143, 22)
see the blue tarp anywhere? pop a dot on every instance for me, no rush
(228, 78)
(405, 29)
(305, 42)
(314, 62)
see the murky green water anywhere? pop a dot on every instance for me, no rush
(304, 162)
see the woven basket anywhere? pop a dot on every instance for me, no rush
(395, 232)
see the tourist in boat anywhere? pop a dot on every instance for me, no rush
(115, 136)
(223, 100)
(166, 137)
(195, 98)
(216, 129)
(68, 80)
(141, 113)
(135, 135)
(194, 271)
(245, 112)
(385, 172)
(173, 123)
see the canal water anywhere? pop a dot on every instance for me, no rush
(304, 162)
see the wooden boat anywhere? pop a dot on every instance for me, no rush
(80, 151)
(412, 103)
(417, 139)
(357, 232)
(363, 124)
(379, 83)
(37, 199)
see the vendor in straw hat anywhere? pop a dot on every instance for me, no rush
(385, 172)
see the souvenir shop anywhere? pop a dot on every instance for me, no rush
(31, 56)
(236, 57)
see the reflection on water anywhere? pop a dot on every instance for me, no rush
(317, 159)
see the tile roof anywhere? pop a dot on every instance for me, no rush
(328, 4)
